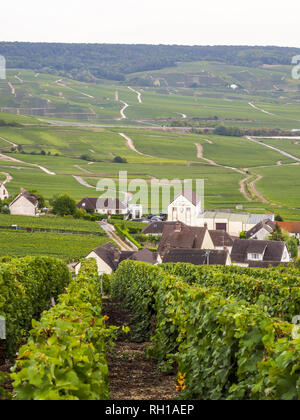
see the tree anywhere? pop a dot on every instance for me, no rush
(63, 205)
(41, 199)
(293, 246)
(277, 234)
(278, 218)
(291, 242)
(119, 159)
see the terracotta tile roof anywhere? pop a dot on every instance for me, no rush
(291, 227)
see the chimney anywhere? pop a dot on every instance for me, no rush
(116, 255)
(22, 190)
(168, 245)
(205, 225)
(178, 227)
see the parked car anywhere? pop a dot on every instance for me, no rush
(156, 219)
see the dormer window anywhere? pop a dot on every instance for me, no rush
(255, 257)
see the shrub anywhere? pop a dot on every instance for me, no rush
(65, 358)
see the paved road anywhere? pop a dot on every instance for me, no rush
(274, 148)
(111, 233)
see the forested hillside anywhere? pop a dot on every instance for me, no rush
(89, 61)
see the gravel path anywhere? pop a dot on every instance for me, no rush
(139, 95)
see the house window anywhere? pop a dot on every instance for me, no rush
(254, 257)
(221, 226)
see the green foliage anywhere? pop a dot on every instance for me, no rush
(293, 244)
(89, 61)
(26, 288)
(65, 357)
(124, 233)
(218, 332)
(4, 394)
(64, 206)
(41, 199)
(277, 234)
(275, 293)
(119, 159)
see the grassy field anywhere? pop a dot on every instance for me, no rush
(65, 246)
(198, 90)
(263, 97)
(53, 222)
(172, 155)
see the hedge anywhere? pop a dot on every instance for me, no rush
(65, 357)
(126, 235)
(26, 288)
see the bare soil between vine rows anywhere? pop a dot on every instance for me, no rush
(132, 375)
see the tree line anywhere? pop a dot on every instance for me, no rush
(88, 62)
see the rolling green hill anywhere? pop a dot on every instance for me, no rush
(75, 129)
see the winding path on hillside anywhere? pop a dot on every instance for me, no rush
(122, 111)
(83, 182)
(7, 179)
(19, 79)
(11, 159)
(184, 117)
(131, 146)
(139, 95)
(243, 183)
(80, 180)
(13, 91)
(212, 162)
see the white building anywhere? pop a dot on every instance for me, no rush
(25, 204)
(255, 253)
(111, 206)
(108, 258)
(3, 192)
(188, 208)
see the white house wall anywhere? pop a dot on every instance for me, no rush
(22, 207)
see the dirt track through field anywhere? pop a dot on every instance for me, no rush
(9, 142)
(7, 179)
(83, 182)
(243, 184)
(130, 144)
(260, 109)
(212, 162)
(82, 169)
(282, 152)
(122, 111)
(139, 95)
(13, 91)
